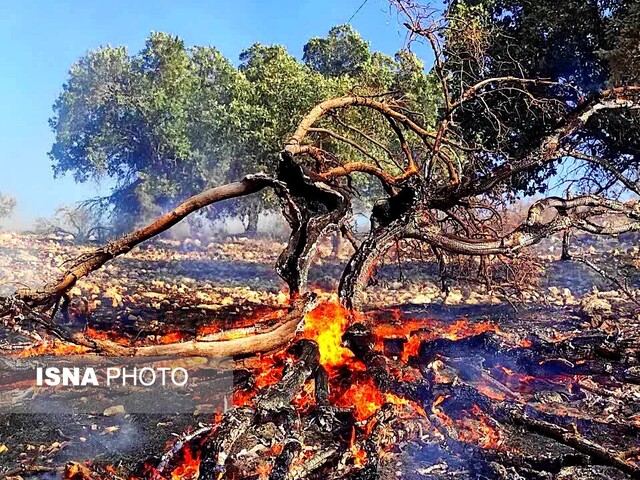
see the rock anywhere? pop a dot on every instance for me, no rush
(421, 298)
(454, 297)
(113, 411)
(204, 408)
(595, 307)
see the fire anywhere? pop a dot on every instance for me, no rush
(491, 393)
(472, 426)
(270, 371)
(189, 467)
(463, 328)
(359, 455)
(476, 428)
(351, 385)
(172, 337)
(98, 335)
(416, 331)
(326, 324)
(365, 398)
(438, 412)
(53, 348)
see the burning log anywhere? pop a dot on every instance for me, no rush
(266, 338)
(468, 394)
(359, 339)
(573, 439)
(278, 398)
(254, 429)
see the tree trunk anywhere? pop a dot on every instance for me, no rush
(566, 244)
(336, 244)
(362, 263)
(252, 221)
(312, 209)
(566, 238)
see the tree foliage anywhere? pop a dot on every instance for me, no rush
(579, 47)
(7, 205)
(341, 52)
(171, 120)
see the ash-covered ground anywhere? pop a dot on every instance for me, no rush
(170, 286)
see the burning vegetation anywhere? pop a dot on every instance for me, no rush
(365, 395)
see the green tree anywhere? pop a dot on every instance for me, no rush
(579, 47)
(150, 122)
(341, 52)
(172, 120)
(7, 205)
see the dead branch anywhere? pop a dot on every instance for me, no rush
(621, 284)
(265, 338)
(49, 295)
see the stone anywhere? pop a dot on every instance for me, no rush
(113, 411)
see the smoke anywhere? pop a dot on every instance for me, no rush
(17, 221)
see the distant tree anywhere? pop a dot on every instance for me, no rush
(341, 52)
(7, 205)
(137, 119)
(172, 120)
(81, 222)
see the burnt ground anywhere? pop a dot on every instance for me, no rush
(179, 285)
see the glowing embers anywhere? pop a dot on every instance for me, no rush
(414, 332)
(53, 348)
(470, 425)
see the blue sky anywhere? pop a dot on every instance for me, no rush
(39, 40)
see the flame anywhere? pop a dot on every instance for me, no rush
(438, 412)
(363, 396)
(463, 328)
(172, 337)
(326, 324)
(53, 348)
(269, 372)
(491, 393)
(473, 426)
(476, 428)
(359, 455)
(189, 467)
(416, 331)
(351, 385)
(99, 335)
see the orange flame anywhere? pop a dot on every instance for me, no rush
(189, 467)
(53, 348)
(476, 428)
(326, 324)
